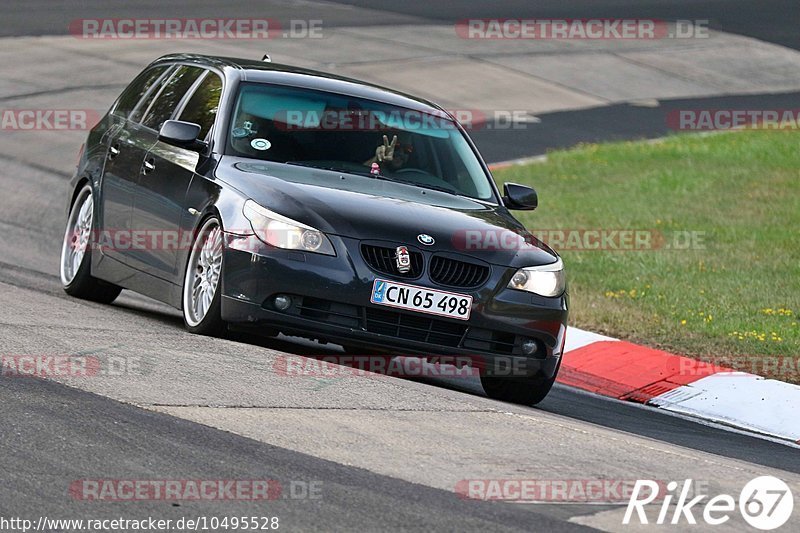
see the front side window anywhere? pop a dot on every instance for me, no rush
(170, 96)
(137, 89)
(351, 134)
(203, 105)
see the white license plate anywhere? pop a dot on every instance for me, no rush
(421, 299)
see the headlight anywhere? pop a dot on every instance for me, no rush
(282, 232)
(544, 280)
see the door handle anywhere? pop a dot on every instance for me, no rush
(148, 166)
(113, 151)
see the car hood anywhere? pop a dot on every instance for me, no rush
(366, 208)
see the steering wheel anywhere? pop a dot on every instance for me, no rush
(407, 170)
(426, 178)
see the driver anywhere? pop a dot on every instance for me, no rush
(392, 155)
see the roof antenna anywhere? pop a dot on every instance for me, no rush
(266, 59)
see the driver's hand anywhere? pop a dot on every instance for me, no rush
(385, 152)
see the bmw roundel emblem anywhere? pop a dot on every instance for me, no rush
(425, 239)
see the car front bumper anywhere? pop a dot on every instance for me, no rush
(330, 301)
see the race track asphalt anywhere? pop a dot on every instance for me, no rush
(387, 452)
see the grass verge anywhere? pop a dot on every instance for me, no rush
(720, 279)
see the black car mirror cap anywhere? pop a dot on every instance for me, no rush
(520, 197)
(181, 134)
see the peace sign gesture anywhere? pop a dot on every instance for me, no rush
(385, 152)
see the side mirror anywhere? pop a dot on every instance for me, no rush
(520, 197)
(181, 134)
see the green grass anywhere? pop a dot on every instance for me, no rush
(738, 294)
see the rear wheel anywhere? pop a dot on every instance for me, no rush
(76, 254)
(526, 391)
(202, 295)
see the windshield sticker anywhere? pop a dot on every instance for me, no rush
(261, 144)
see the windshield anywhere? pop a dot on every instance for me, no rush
(349, 134)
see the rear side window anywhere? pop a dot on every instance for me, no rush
(202, 106)
(137, 89)
(170, 96)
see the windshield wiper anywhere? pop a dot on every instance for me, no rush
(311, 165)
(420, 185)
(431, 187)
(383, 177)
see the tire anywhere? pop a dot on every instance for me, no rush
(525, 391)
(202, 282)
(76, 254)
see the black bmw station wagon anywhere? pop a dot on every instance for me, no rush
(278, 199)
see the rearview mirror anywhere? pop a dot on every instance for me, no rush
(181, 134)
(520, 197)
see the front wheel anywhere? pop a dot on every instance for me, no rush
(525, 391)
(202, 295)
(76, 254)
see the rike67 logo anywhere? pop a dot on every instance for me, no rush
(765, 503)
